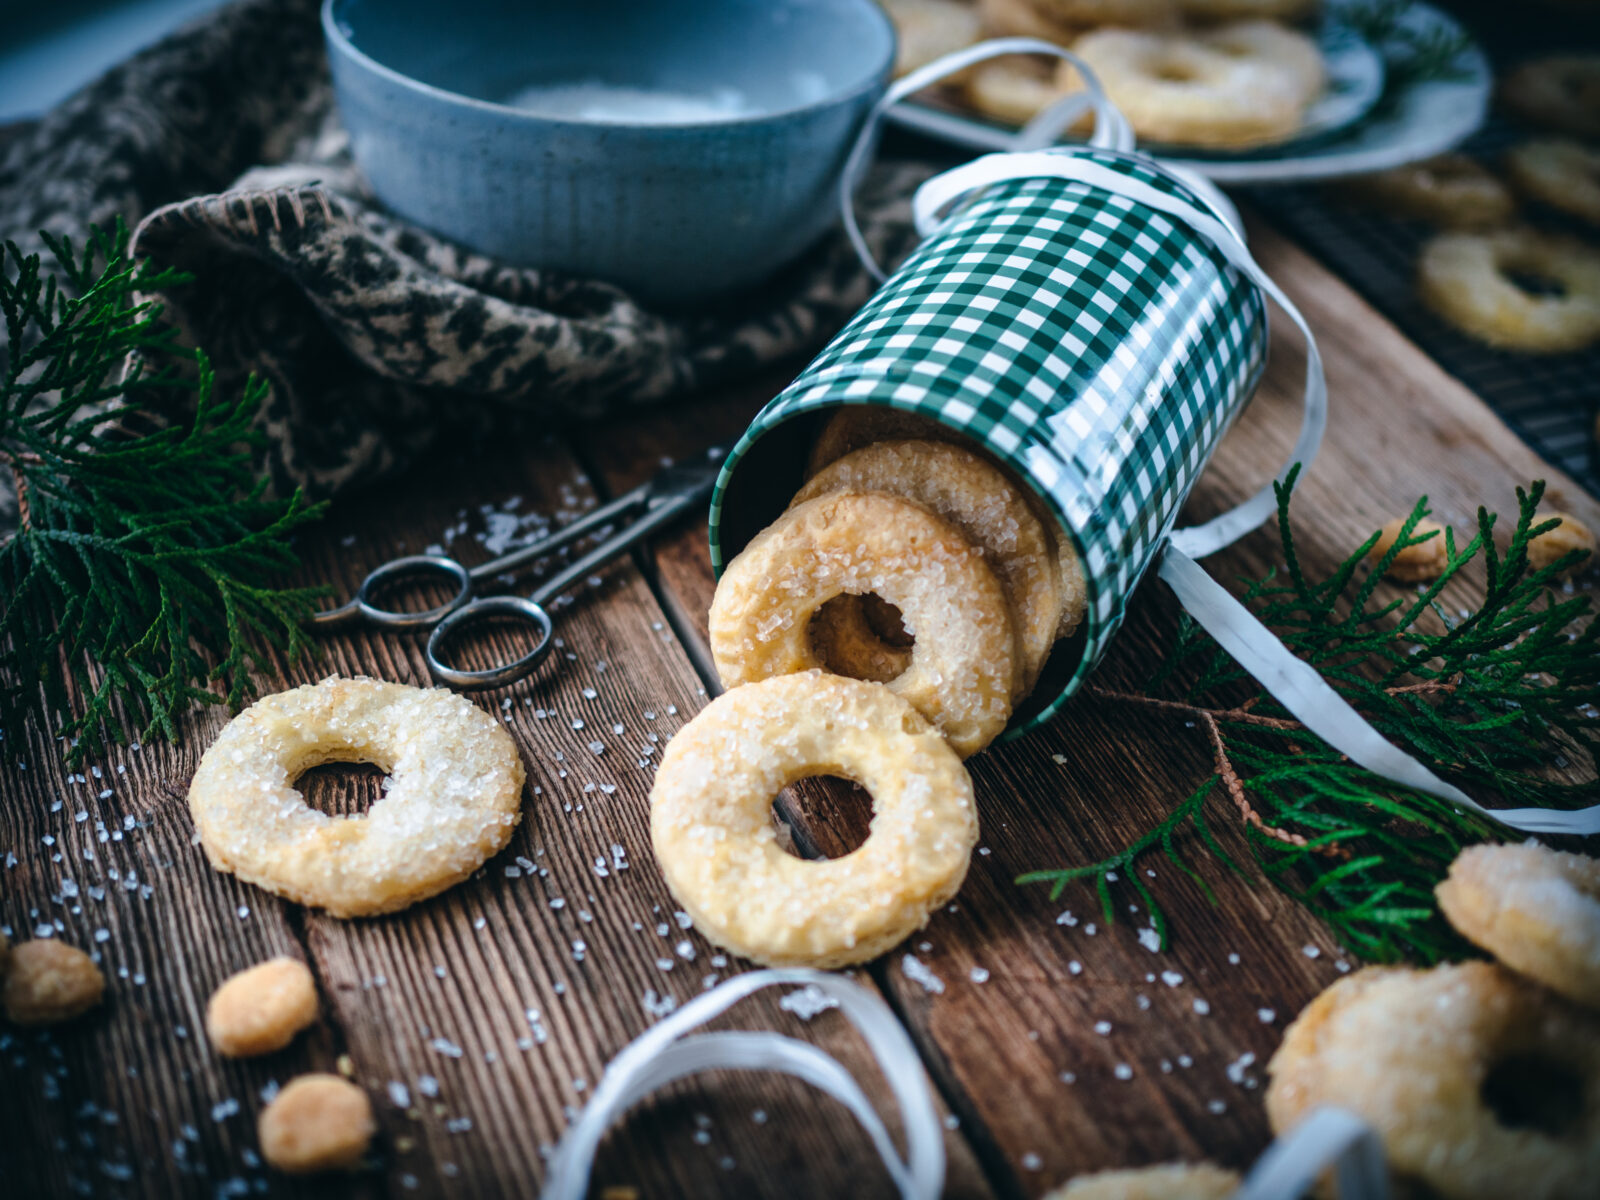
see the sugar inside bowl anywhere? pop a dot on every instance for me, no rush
(682, 150)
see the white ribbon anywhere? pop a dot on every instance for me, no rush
(1327, 1137)
(1299, 687)
(1111, 128)
(1294, 683)
(663, 1054)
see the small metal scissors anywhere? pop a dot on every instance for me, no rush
(661, 500)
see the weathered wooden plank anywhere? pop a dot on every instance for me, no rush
(592, 947)
(129, 1099)
(478, 1021)
(1066, 1045)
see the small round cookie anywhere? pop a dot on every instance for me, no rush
(1453, 191)
(1560, 92)
(1239, 84)
(452, 800)
(1415, 1053)
(930, 29)
(1551, 546)
(260, 1009)
(1559, 172)
(856, 425)
(985, 507)
(48, 981)
(316, 1123)
(1471, 279)
(852, 543)
(1535, 909)
(711, 820)
(1169, 1181)
(1416, 563)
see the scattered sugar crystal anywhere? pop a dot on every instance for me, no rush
(589, 693)
(664, 964)
(428, 1086)
(917, 972)
(1075, 967)
(1031, 1162)
(1069, 1077)
(1311, 952)
(1216, 1107)
(1185, 1061)
(807, 1002)
(1150, 938)
(446, 1047)
(980, 975)
(1102, 1027)
(1233, 959)
(1122, 1071)
(1266, 1015)
(684, 950)
(1237, 1068)
(759, 1116)
(399, 1094)
(683, 919)
(224, 1109)
(1201, 1006)
(1143, 1002)
(1171, 978)
(1066, 918)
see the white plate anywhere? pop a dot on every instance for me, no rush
(1414, 120)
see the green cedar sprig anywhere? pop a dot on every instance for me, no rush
(1413, 51)
(140, 571)
(1491, 698)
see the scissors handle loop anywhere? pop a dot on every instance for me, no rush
(413, 567)
(491, 606)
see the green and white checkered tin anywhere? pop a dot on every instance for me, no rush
(1097, 347)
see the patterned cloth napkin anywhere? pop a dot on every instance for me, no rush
(221, 145)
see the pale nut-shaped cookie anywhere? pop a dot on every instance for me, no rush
(1412, 1053)
(260, 1009)
(1552, 545)
(1417, 563)
(712, 831)
(317, 1122)
(1024, 18)
(1535, 909)
(853, 543)
(48, 981)
(1168, 1181)
(452, 799)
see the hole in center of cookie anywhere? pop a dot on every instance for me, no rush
(1535, 283)
(1529, 1092)
(823, 817)
(1173, 71)
(863, 637)
(341, 789)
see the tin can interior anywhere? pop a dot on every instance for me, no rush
(767, 467)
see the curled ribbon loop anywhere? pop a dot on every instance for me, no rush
(1111, 128)
(667, 1052)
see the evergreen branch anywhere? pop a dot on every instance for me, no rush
(1492, 697)
(140, 572)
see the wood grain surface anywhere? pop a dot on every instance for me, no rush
(480, 1021)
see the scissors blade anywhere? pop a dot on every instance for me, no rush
(689, 482)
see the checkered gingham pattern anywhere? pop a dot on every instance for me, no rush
(1099, 348)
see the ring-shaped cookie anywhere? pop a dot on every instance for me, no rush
(1411, 1052)
(1535, 909)
(989, 511)
(1561, 91)
(1470, 280)
(711, 827)
(1560, 172)
(1239, 84)
(452, 800)
(1454, 191)
(1168, 1181)
(852, 543)
(856, 425)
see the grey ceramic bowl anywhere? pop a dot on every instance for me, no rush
(683, 150)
